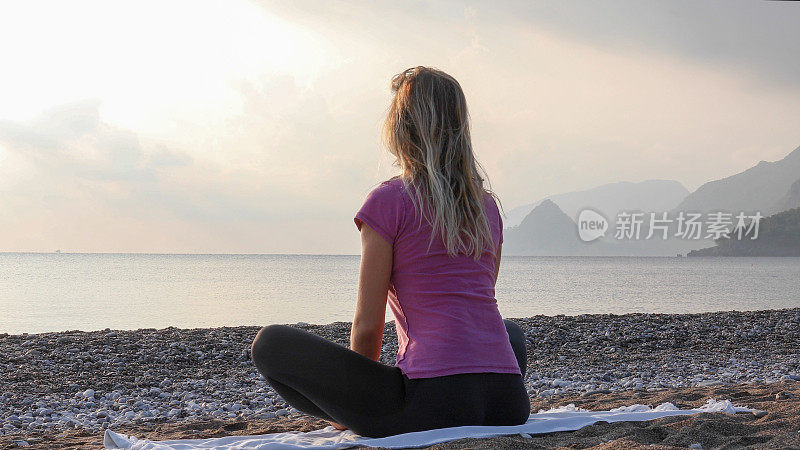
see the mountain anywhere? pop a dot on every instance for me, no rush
(544, 231)
(761, 188)
(778, 235)
(547, 228)
(548, 231)
(610, 199)
(790, 200)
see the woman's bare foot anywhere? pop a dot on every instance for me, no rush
(337, 426)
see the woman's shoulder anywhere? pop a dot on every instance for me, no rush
(384, 209)
(391, 191)
(490, 200)
(395, 182)
(393, 187)
(492, 210)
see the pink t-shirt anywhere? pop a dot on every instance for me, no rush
(446, 315)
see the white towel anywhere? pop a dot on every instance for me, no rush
(566, 418)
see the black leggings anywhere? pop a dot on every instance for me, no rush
(332, 382)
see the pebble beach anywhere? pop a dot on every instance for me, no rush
(66, 384)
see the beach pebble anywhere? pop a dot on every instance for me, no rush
(173, 375)
(44, 411)
(597, 391)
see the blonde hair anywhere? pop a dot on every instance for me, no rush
(427, 130)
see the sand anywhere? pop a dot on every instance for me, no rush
(779, 428)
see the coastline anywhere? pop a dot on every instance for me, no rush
(68, 386)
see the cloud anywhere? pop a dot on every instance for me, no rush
(760, 37)
(570, 95)
(69, 166)
(276, 155)
(71, 144)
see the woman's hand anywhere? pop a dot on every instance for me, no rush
(337, 426)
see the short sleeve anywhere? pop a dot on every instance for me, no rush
(383, 211)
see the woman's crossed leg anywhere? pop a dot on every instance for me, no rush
(329, 381)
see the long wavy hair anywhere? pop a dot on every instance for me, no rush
(427, 129)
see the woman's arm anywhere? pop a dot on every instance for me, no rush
(366, 335)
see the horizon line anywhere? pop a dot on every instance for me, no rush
(173, 253)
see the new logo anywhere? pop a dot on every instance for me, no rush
(591, 225)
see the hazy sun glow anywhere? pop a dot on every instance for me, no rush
(149, 61)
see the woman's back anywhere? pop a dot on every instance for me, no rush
(430, 242)
(445, 311)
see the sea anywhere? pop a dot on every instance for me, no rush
(44, 292)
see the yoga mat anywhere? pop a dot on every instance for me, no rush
(565, 418)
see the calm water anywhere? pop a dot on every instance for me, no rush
(53, 292)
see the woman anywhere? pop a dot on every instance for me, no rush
(431, 242)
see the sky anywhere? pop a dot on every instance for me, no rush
(253, 126)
